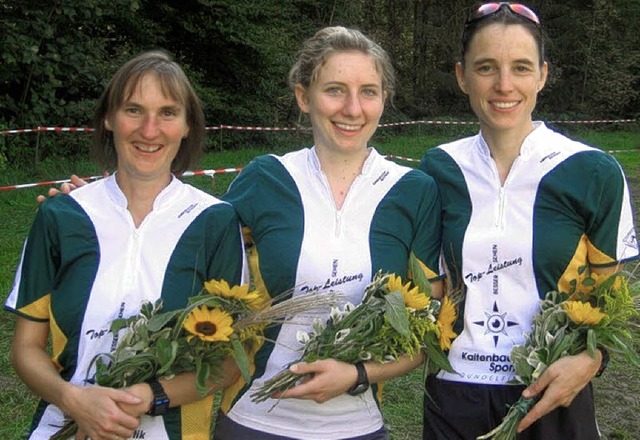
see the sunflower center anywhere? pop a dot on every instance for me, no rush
(206, 328)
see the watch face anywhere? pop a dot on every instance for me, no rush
(160, 408)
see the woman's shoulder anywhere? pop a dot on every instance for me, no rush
(263, 164)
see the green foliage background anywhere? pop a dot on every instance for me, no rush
(57, 55)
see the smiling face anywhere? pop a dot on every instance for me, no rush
(502, 76)
(345, 102)
(148, 129)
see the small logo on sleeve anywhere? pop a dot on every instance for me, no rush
(631, 239)
(188, 210)
(549, 156)
(381, 177)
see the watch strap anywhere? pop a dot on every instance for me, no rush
(604, 362)
(362, 382)
(160, 402)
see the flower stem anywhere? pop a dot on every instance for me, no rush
(507, 430)
(68, 430)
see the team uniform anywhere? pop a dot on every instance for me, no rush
(85, 264)
(304, 243)
(563, 205)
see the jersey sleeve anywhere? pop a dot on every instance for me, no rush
(227, 260)
(245, 190)
(427, 242)
(610, 227)
(39, 264)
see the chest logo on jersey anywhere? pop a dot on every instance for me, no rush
(495, 265)
(333, 282)
(94, 334)
(496, 325)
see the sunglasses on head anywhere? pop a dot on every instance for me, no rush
(491, 8)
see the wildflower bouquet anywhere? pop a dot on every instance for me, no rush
(221, 321)
(394, 319)
(594, 314)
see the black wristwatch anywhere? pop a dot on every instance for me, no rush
(160, 402)
(604, 362)
(362, 384)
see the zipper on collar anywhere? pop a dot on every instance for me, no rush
(501, 202)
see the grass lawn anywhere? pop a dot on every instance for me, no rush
(616, 392)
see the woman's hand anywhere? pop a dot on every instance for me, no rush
(97, 413)
(328, 378)
(144, 393)
(560, 383)
(65, 188)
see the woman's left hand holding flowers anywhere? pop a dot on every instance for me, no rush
(560, 384)
(99, 415)
(328, 378)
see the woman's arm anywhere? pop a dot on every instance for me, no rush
(95, 409)
(180, 389)
(331, 378)
(565, 378)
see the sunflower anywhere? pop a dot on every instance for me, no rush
(413, 298)
(583, 312)
(241, 293)
(446, 318)
(208, 324)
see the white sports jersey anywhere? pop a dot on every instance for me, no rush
(304, 243)
(85, 264)
(563, 205)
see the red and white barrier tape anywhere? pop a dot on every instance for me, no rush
(246, 128)
(58, 182)
(40, 129)
(249, 128)
(408, 159)
(210, 172)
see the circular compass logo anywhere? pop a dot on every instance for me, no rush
(496, 323)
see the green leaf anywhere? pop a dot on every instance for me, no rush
(203, 371)
(167, 351)
(396, 313)
(436, 359)
(581, 269)
(589, 281)
(157, 322)
(240, 355)
(118, 324)
(419, 277)
(592, 341)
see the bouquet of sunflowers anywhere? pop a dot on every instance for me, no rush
(394, 319)
(221, 321)
(594, 314)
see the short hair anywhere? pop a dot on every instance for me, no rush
(506, 17)
(329, 40)
(174, 84)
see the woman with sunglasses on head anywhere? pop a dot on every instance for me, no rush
(519, 219)
(332, 214)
